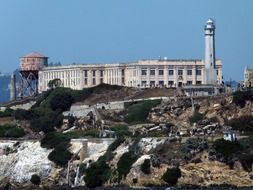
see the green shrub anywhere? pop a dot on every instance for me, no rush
(62, 101)
(35, 179)
(145, 166)
(82, 169)
(82, 133)
(7, 113)
(125, 163)
(137, 112)
(243, 123)
(227, 148)
(97, 174)
(21, 114)
(171, 176)
(246, 161)
(196, 117)
(116, 144)
(51, 140)
(240, 97)
(60, 155)
(11, 131)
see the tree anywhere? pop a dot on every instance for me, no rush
(61, 101)
(171, 176)
(54, 83)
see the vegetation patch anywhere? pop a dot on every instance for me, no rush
(97, 174)
(35, 179)
(243, 123)
(121, 130)
(227, 149)
(7, 113)
(94, 133)
(60, 155)
(100, 172)
(60, 143)
(11, 131)
(137, 112)
(196, 117)
(125, 163)
(51, 140)
(145, 166)
(240, 97)
(171, 176)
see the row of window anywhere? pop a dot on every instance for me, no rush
(93, 73)
(171, 72)
(93, 81)
(170, 83)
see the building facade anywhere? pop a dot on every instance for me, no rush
(143, 73)
(248, 77)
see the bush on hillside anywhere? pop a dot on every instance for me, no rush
(35, 179)
(227, 148)
(60, 155)
(196, 117)
(240, 97)
(145, 166)
(243, 123)
(121, 130)
(7, 113)
(116, 144)
(137, 112)
(125, 163)
(21, 114)
(11, 131)
(93, 133)
(171, 176)
(51, 140)
(97, 174)
(62, 101)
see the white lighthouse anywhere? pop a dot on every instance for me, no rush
(210, 67)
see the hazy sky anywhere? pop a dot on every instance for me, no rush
(98, 31)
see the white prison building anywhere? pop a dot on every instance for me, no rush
(142, 73)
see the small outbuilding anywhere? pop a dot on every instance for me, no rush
(229, 136)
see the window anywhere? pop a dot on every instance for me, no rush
(199, 82)
(94, 81)
(180, 72)
(217, 72)
(123, 72)
(152, 72)
(170, 83)
(143, 83)
(143, 72)
(85, 81)
(85, 73)
(171, 72)
(101, 81)
(198, 72)
(161, 83)
(94, 73)
(152, 83)
(101, 73)
(161, 72)
(189, 72)
(189, 82)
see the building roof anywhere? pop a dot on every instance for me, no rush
(34, 55)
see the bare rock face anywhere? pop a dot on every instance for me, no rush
(141, 179)
(214, 173)
(20, 161)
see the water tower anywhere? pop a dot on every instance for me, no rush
(30, 65)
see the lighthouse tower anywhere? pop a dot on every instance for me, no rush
(210, 67)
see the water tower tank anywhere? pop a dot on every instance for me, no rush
(29, 68)
(33, 62)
